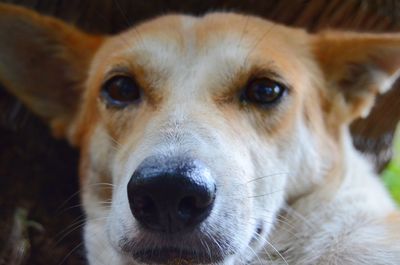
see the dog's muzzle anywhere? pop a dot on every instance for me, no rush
(170, 198)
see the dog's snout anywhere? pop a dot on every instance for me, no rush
(171, 194)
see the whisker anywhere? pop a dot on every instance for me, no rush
(79, 191)
(252, 197)
(264, 177)
(80, 205)
(277, 252)
(266, 194)
(260, 238)
(74, 222)
(256, 179)
(264, 248)
(71, 229)
(75, 226)
(255, 254)
(70, 253)
(289, 210)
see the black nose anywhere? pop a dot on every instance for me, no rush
(171, 195)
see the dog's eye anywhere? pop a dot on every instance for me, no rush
(263, 91)
(120, 91)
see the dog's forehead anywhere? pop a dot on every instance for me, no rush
(218, 45)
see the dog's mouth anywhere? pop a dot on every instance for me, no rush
(185, 254)
(176, 256)
(193, 248)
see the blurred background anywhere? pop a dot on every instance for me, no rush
(391, 174)
(40, 214)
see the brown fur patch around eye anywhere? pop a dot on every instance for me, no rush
(146, 80)
(236, 82)
(270, 122)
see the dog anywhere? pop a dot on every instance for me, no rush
(221, 139)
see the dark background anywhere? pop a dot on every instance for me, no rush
(40, 216)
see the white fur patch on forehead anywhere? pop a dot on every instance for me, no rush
(181, 53)
(182, 43)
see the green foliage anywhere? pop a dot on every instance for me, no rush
(391, 175)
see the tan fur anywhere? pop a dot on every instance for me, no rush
(291, 167)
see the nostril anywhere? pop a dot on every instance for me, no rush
(194, 209)
(187, 207)
(144, 206)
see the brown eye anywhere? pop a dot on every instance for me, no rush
(120, 91)
(263, 91)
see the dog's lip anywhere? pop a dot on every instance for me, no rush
(175, 256)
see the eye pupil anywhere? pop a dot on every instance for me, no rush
(120, 91)
(263, 91)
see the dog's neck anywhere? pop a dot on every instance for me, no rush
(320, 223)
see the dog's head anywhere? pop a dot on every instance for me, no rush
(194, 132)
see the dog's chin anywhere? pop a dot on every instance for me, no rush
(176, 256)
(193, 249)
(187, 253)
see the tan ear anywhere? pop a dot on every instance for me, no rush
(44, 62)
(357, 67)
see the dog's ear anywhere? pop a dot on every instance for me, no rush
(357, 67)
(44, 62)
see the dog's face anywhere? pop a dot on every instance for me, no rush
(185, 98)
(194, 132)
